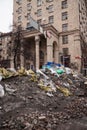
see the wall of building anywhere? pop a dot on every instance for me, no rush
(5, 49)
(74, 49)
(72, 15)
(83, 18)
(22, 9)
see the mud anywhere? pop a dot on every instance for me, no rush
(30, 108)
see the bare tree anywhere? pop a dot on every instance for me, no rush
(17, 41)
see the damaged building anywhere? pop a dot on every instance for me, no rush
(53, 31)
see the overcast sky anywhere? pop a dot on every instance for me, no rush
(6, 10)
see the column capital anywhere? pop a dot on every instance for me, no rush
(37, 38)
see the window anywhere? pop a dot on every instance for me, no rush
(28, 16)
(39, 21)
(64, 4)
(65, 51)
(65, 39)
(0, 41)
(19, 27)
(39, 12)
(28, 0)
(19, 10)
(50, 8)
(19, 19)
(64, 27)
(51, 19)
(0, 54)
(18, 1)
(39, 2)
(49, 0)
(64, 15)
(29, 6)
(28, 24)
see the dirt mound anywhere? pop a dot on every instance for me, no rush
(26, 106)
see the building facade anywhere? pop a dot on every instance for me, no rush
(5, 50)
(60, 35)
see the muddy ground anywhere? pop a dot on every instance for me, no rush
(27, 107)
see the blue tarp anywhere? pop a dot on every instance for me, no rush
(53, 63)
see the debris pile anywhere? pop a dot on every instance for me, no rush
(47, 99)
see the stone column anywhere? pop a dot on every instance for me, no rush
(37, 40)
(77, 50)
(49, 50)
(12, 56)
(12, 62)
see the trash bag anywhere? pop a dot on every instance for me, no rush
(60, 71)
(5, 74)
(33, 78)
(30, 72)
(45, 88)
(68, 70)
(22, 71)
(65, 91)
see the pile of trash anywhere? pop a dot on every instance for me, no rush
(54, 97)
(50, 78)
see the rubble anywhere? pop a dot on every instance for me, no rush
(2, 92)
(43, 100)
